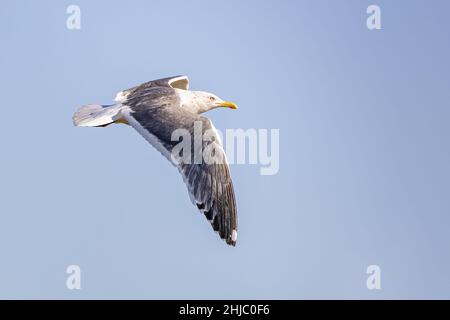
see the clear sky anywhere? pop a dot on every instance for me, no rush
(364, 173)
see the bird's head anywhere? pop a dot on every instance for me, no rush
(205, 101)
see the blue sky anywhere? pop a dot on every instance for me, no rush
(364, 150)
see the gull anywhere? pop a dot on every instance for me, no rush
(156, 109)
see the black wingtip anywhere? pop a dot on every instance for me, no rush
(231, 243)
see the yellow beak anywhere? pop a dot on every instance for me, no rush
(228, 104)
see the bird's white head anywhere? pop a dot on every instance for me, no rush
(201, 101)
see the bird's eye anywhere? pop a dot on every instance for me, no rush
(212, 98)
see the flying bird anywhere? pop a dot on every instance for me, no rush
(156, 109)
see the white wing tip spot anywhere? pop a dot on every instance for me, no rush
(234, 235)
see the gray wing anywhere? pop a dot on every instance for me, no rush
(176, 82)
(209, 184)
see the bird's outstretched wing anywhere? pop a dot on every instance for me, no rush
(177, 82)
(156, 115)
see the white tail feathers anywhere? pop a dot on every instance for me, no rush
(95, 115)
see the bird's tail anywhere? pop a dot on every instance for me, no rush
(95, 115)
